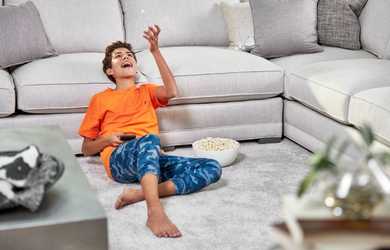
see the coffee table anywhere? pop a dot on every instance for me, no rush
(70, 216)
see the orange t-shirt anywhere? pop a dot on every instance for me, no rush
(129, 110)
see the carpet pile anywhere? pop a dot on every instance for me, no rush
(234, 213)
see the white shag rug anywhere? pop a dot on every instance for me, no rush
(234, 213)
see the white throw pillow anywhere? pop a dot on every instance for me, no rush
(238, 18)
(284, 27)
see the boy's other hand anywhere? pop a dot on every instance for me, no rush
(151, 34)
(114, 139)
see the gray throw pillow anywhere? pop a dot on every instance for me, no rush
(23, 37)
(284, 27)
(338, 23)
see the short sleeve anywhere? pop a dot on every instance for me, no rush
(90, 126)
(152, 88)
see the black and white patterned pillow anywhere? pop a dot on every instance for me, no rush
(338, 23)
(25, 176)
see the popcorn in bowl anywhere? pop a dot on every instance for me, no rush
(224, 150)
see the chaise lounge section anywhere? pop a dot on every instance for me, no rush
(332, 92)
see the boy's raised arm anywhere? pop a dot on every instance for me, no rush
(169, 90)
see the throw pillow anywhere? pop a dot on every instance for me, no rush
(238, 18)
(23, 38)
(284, 27)
(338, 23)
(183, 22)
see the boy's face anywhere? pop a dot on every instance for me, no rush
(123, 64)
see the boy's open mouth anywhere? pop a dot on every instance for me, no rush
(127, 65)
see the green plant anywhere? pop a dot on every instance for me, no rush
(326, 160)
(368, 137)
(322, 161)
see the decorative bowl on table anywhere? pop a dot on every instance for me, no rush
(223, 150)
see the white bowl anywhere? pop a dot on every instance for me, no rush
(225, 157)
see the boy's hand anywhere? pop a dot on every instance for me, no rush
(151, 34)
(114, 139)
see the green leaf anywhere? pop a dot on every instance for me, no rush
(306, 182)
(329, 145)
(383, 158)
(321, 161)
(367, 134)
(343, 147)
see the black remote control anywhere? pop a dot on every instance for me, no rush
(127, 137)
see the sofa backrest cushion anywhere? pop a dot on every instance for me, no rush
(68, 81)
(79, 26)
(23, 37)
(375, 31)
(183, 23)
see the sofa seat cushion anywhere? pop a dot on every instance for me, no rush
(60, 84)
(7, 94)
(212, 74)
(294, 62)
(372, 106)
(328, 86)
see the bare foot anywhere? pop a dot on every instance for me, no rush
(160, 224)
(128, 196)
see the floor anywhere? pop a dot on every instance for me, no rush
(234, 213)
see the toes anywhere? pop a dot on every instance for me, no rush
(174, 232)
(162, 227)
(177, 233)
(170, 233)
(158, 232)
(167, 233)
(163, 234)
(118, 203)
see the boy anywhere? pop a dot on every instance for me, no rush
(130, 109)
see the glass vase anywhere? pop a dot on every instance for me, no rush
(355, 193)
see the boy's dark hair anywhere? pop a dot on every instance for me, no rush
(108, 55)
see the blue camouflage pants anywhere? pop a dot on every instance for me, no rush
(131, 160)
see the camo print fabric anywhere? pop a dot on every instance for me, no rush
(131, 160)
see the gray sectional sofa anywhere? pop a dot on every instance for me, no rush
(222, 92)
